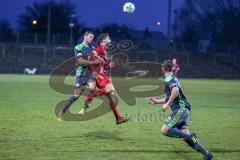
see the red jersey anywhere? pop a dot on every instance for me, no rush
(99, 52)
(101, 70)
(175, 69)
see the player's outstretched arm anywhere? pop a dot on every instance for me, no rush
(82, 61)
(152, 100)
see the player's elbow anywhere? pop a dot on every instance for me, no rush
(81, 61)
(85, 62)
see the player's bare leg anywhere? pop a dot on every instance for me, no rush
(92, 84)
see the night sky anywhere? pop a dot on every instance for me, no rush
(94, 13)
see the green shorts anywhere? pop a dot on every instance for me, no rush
(178, 119)
(81, 81)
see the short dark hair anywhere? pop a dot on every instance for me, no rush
(167, 65)
(102, 36)
(88, 32)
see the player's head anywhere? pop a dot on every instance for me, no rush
(104, 39)
(88, 37)
(174, 61)
(166, 66)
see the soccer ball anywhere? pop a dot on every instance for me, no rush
(128, 8)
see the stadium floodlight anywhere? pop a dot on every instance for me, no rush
(34, 22)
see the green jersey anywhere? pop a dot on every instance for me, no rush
(84, 52)
(180, 102)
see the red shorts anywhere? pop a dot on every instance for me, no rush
(102, 81)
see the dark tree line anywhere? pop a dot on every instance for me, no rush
(214, 20)
(6, 32)
(34, 19)
(62, 13)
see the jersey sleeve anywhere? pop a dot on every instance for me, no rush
(178, 66)
(78, 51)
(172, 83)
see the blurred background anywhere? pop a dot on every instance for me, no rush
(203, 35)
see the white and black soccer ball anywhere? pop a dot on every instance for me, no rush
(128, 8)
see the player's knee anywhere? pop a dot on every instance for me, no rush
(92, 86)
(164, 130)
(109, 88)
(185, 130)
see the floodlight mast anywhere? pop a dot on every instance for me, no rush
(169, 18)
(49, 22)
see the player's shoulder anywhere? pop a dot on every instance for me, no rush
(169, 78)
(79, 47)
(98, 47)
(99, 50)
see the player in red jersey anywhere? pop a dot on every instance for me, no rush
(100, 74)
(175, 67)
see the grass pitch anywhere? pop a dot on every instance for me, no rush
(29, 128)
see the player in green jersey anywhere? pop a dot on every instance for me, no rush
(176, 124)
(83, 76)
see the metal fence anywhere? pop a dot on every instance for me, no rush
(207, 48)
(186, 58)
(62, 52)
(204, 46)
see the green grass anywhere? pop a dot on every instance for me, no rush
(30, 130)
